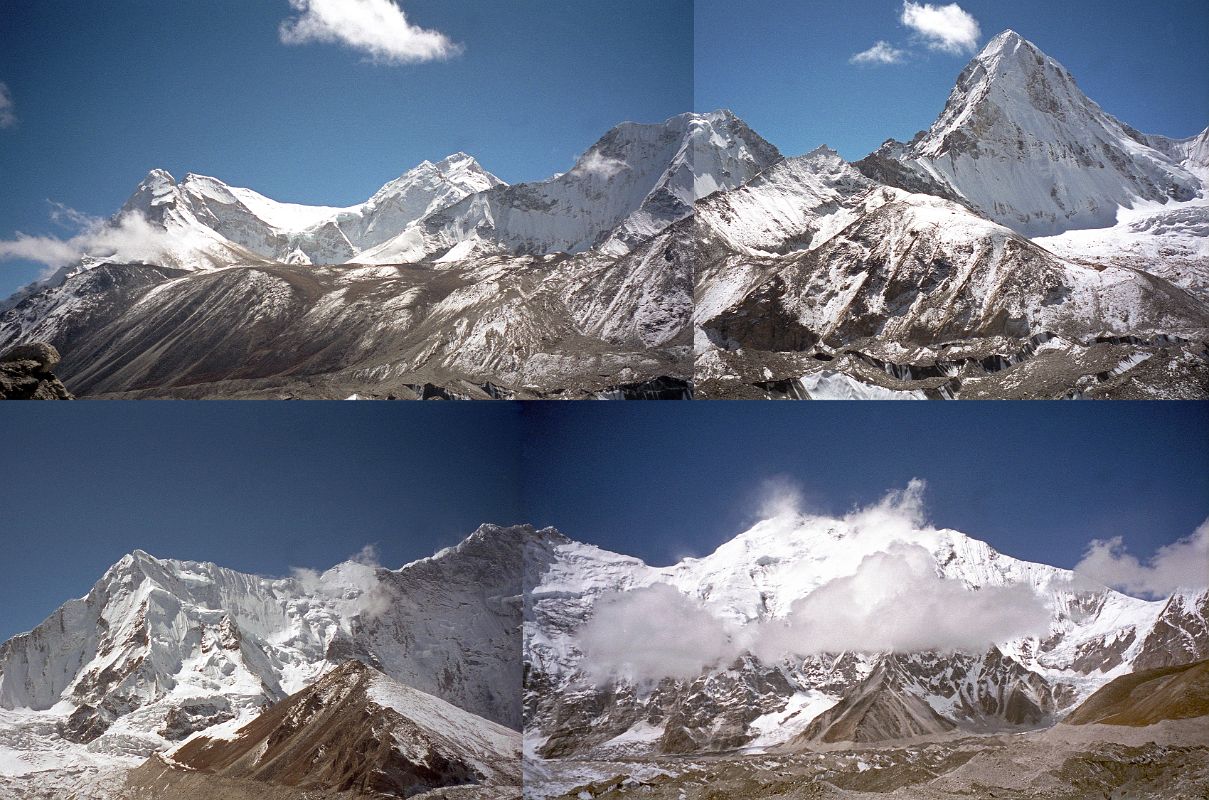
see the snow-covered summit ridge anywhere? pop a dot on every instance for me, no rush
(1021, 142)
(796, 613)
(157, 639)
(760, 577)
(638, 179)
(204, 206)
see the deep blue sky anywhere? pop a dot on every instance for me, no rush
(1036, 480)
(263, 487)
(104, 91)
(256, 487)
(783, 66)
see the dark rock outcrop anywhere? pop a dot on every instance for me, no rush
(26, 374)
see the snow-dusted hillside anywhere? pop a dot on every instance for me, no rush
(355, 728)
(1023, 145)
(747, 658)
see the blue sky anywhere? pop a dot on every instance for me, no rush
(783, 65)
(1037, 481)
(103, 92)
(264, 487)
(256, 487)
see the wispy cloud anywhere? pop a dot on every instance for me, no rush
(1183, 564)
(594, 163)
(947, 28)
(376, 27)
(882, 52)
(679, 637)
(8, 117)
(353, 585)
(131, 237)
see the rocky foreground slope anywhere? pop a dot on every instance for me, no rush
(27, 373)
(356, 729)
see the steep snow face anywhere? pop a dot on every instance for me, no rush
(1191, 153)
(793, 205)
(207, 209)
(161, 648)
(1020, 142)
(633, 183)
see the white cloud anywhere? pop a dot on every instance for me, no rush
(131, 236)
(651, 633)
(8, 117)
(354, 584)
(880, 53)
(779, 496)
(1183, 564)
(596, 164)
(947, 28)
(896, 601)
(377, 27)
(896, 517)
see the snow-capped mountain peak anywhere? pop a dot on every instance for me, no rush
(160, 648)
(1021, 143)
(635, 181)
(210, 223)
(753, 585)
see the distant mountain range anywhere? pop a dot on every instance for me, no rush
(1027, 245)
(170, 676)
(779, 702)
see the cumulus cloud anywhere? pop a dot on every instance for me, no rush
(896, 601)
(882, 52)
(354, 585)
(131, 236)
(376, 27)
(651, 633)
(8, 117)
(891, 596)
(948, 28)
(1183, 564)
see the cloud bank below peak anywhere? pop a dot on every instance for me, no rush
(893, 599)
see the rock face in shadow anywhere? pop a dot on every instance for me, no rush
(1147, 697)
(26, 374)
